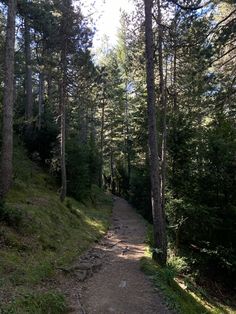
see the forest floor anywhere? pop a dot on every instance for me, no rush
(109, 279)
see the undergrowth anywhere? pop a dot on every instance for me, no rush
(39, 234)
(174, 282)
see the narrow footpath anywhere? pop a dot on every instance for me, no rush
(117, 284)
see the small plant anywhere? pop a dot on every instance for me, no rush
(68, 204)
(74, 211)
(178, 264)
(176, 298)
(13, 217)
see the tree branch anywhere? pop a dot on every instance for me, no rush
(224, 19)
(228, 61)
(224, 54)
(183, 7)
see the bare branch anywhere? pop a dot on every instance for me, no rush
(224, 54)
(230, 59)
(226, 18)
(183, 7)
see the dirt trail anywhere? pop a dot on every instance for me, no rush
(119, 286)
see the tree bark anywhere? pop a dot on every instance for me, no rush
(49, 85)
(163, 103)
(102, 142)
(41, 99)
(63, 139)
(63, 96)
(159, 225)
(8, 96)
(175, 77)
(127, 131)
(175, 96)
(83, 125)
(113, 185)
(28, 71)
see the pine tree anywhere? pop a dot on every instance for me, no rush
(7, 131)
(160, 241)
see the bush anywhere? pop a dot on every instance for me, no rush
(206, 235)
(140, 192)
(178, 264)
(13, 217)
(40, 142)
(82, 169)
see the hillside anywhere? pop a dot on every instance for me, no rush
(39, 234)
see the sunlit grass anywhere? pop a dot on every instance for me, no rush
(178, 289)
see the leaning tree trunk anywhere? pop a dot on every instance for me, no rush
(8, 96)
(160, 241)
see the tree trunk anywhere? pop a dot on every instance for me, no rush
(163, 104)
(63, 138)
(127, 131)
(160, 241)
(43, 63)
(41, 99)
(7, 131)
(49, 85)
(175, 98)
(28, 71)
(175, 77)
(113, 186)
(63, 97)
(102, 142)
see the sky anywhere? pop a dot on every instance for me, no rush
(106, 14)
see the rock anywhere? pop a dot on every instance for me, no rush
(111, 310)
(83, 266)
(125, 250)
(123, 284)
(97, 266)
(96, 255)
(82, 275)
(71, 309)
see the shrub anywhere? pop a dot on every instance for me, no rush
(13, 217)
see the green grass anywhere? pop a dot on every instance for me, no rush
(39, 234)
(40, 303)
(179, 291)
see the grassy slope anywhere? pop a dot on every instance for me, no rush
(179, 291)
(38, 234)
